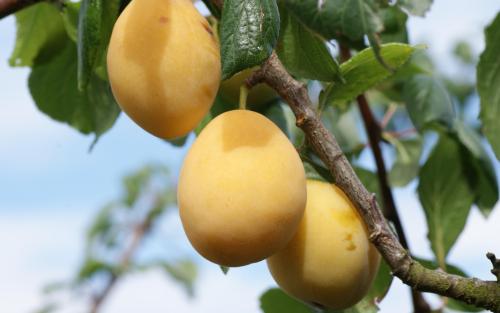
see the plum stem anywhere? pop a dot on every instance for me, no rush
(243, 96)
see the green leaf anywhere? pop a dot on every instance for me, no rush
(96, 20)
(481, 172)
(70, 14)
(89, 40)
(249, 32)
(316, 171)
(38, 26)
(461, 91)
(185, 272)
(53, 85)
(178, 142)
(204, 122)
(366, 305)
(218, 107)
(394, 25)
(343, 124)
(334, 18)
(445, 195)
(364, 71)
(381, 284)
(102, 223)
(135, 183)
(415, 7)
(304, 54)
(111, 10)
(276, 301)
(427, 101)
(406, 166)
(463, 52)
(224, 269)
(418, 63)
(276, 113)
(92, 267)
(488, 78)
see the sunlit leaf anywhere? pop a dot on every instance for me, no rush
(364, 71)
(38, 26)
(488, 77)
(276, 301)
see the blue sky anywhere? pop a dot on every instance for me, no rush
(50, 187)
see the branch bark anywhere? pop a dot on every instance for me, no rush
(374, 133)
(485, 294)
(496, 265)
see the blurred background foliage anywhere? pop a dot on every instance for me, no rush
(117, 232)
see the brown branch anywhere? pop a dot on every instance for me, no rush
(485, 294)
(374, 132)
(8, 7)
(496, 265)
(140, 231)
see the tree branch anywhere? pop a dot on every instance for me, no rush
(496, 265)
(139, 232)
(374, 133)
(8, 7)
(485, 294)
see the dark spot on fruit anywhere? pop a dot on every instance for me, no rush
(350, 244)
(207, 91)
(163, 20)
